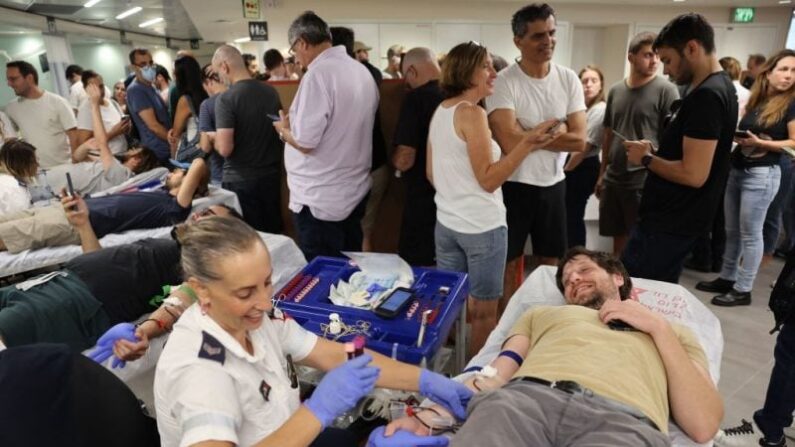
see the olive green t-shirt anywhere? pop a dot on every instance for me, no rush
(571, 343)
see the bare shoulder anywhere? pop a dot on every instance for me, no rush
(470, 113)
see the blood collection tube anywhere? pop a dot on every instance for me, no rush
(358, 345)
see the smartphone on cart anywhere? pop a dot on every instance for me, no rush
(391, 306)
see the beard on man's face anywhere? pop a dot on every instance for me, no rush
(596, 297)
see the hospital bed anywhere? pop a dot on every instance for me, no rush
(25, 261)
(672, 300)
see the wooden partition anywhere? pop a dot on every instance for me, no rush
(387, 225)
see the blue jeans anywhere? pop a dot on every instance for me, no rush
(481, 255)
(772, 227)
(780, 399)
(656, 255)
(749, 192)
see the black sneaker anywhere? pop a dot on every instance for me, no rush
(719, 285)
(745, 435)
(732, 298)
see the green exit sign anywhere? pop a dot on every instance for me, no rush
(743, 15)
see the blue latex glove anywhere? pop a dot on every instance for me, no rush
(446, 392)
(341, 389)
(402, 438)
(105, 343)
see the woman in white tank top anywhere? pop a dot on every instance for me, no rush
(467, 169)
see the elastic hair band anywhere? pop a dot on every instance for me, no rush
(513, 356)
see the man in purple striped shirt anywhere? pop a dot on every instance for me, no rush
(328, 136)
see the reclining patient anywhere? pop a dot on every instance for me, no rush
(94, 174)
(94, 291)
(601, 370)
(115, 213)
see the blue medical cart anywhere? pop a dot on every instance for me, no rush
(305, 298)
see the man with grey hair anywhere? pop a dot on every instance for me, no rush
(421, 72)
(527, 93)
(247, 141)
(329, 139)
(636, 108)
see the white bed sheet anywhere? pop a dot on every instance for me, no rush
(11, 264)
(672, 300)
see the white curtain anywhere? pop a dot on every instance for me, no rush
(59, 56)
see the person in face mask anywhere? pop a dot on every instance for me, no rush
(146, 108)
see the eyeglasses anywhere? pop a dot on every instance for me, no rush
(291, 51)
(145, 64)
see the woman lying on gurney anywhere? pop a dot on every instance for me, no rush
(94, 291)
(226, 376)
(602, 370)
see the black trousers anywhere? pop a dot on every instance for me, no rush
(580, 184)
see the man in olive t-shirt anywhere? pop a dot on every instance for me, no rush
(603, 368)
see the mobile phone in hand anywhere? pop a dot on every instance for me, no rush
(125, 117)
(555, 127)
(274, 117)
(741, 134)
(70, 190)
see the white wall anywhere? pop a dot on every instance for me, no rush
(450, 12)
(108, 59)
(27, 47)
(587, 47)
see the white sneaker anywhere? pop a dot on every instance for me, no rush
(745, 435)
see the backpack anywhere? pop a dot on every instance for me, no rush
(188, 148)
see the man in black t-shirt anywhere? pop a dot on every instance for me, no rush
(688, 172)
(421, 72)
(245, 137)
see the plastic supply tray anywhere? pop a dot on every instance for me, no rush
(305, 299)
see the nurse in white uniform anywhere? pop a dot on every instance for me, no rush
(226, 375)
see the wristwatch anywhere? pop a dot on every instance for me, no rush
(646, 160)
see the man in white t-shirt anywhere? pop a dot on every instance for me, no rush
(43, 119)
(527, 93)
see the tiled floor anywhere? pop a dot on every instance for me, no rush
(748, 348)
